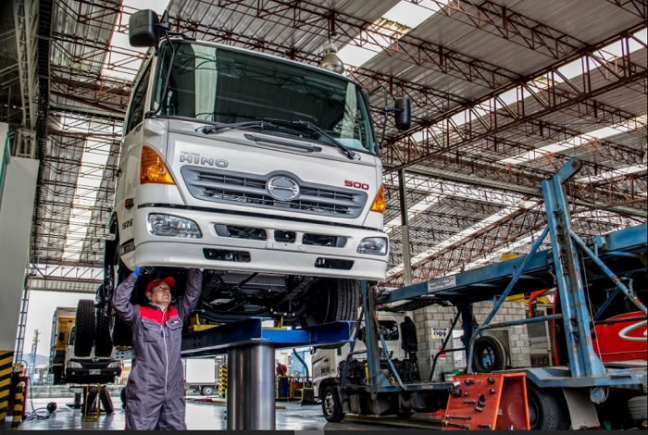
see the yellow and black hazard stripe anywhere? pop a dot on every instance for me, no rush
(6, 368)
(18, 406)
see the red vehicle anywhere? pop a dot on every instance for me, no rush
(622, 337)
(620, 333)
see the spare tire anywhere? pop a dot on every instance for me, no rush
(103, 342)
(489, 355)
(85, 327)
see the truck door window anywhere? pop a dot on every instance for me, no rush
(136, 112)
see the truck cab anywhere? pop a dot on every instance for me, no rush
(262, 171)
(327, 362)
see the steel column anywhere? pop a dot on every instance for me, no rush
(251, 387)
(376, 376)
(405, 247)
(583, 360)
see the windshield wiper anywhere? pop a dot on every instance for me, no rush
(211, 129)
(307, 148)
(350, 154)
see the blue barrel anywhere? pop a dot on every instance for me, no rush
(283, 387)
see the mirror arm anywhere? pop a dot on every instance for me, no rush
(388, 109)
(165, 89)
(385, 111)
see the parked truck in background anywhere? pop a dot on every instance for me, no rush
(79, 351)
(263, 171)
(62, 323)
(339, 398)
(201, 375)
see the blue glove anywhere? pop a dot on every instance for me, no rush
(146, 270)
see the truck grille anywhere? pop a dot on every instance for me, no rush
(210, 184)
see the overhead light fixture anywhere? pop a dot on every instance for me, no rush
(330, 59)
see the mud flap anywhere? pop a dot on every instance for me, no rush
(582, 411)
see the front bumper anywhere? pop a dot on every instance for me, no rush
(264, 256)
(85, 375)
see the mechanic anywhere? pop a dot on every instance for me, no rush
(155, 388)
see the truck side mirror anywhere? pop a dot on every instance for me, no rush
(143, 30)
(402, 114)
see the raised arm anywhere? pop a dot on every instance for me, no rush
(121, 299)
(186, 304)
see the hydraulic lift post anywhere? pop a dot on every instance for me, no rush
(250, 352)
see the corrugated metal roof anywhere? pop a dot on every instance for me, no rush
(457, 60)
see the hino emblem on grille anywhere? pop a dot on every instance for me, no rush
(282, 188)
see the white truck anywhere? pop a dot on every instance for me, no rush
(81, 351)
(263, 171)
(339, 398)
(201, 375)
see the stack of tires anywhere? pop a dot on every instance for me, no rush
(92, 328)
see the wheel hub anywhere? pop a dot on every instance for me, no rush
(329, 405)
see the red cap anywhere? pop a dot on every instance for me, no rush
(169, 280)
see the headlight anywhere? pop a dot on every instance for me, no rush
(74, 365)
(114, 365)
(172, 226)
(373, 246)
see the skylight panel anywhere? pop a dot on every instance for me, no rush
(610, 175)
(502, 214)
(569, 71)
(93, 162)
(393, 25)
(577, 141)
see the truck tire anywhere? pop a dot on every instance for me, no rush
(103, 342)
(638, 408)
(331, 406)
(122, 396)
(489, 355)
(547, 410)
(122, 335)
(331, 300)
(85, 327)
(207, 390)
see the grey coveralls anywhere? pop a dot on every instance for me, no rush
(155, 388)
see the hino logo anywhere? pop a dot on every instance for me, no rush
(205, 161)
(282, 188)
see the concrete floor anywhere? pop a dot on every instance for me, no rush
(200, 416)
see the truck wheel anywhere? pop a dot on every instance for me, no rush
(489, 355)
(122, 335)
(331, 406)
(547, 411)
(207, 391)
(331, 300)
(638, 407)
(103, 342)
(85, 327)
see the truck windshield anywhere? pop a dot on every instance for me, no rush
(219, 85)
